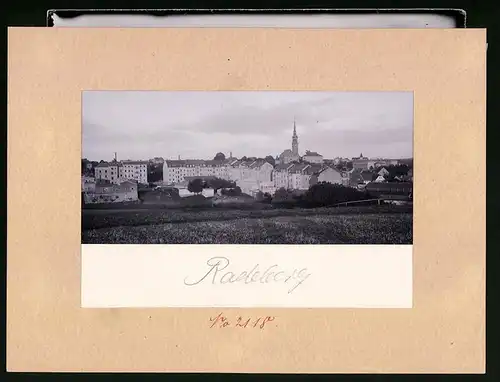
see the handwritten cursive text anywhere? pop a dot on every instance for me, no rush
(217, 270)
(221, 321)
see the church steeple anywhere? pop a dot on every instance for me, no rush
(295, 139)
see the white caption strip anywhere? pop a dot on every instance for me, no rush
(299, 276)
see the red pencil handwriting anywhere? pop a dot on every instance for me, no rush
(221, 321)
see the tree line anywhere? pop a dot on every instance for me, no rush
(321, 194)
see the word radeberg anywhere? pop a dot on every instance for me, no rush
(218, 274)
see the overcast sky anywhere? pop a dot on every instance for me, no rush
(197, 125)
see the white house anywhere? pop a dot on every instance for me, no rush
(206, 192)
(298, 176)
(280, 175)
(383, 171)
(135, 170)
(175, 171)
(110, 171)
(312, 157)
(330, 175)
(267, 187)
(117, 172)
(252, 176)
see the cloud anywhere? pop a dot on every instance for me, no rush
(199, 124)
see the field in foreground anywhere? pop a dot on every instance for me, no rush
(321, 226)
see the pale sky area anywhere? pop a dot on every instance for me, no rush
(197, 125)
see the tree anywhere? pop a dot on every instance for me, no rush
(399, 170)
(84, 166)
(325, 194)
(155, 172)
(236, 191)
(267, 197)
(282, 194)
(218, 183)
(263, 197)
(285, 198)
(219, 156)
(313, 180)
(244, 158)
(269, 159)
(195, 186)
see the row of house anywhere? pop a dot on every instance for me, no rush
(359, 178)
(104, 191)
(114, 181)
(365, 163)
(252, 176)
(300, 176)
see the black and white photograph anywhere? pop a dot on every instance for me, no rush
(247, 167)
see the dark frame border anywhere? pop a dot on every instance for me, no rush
(480, 14)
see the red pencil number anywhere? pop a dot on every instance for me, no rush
(221, 321)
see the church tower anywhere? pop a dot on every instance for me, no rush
(295, 140)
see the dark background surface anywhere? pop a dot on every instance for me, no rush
(480, 14)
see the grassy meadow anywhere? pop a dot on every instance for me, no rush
(385, 224)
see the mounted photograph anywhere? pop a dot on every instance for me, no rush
(249, 167)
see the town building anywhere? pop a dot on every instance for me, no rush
(300, 176)
(330, 175)
(119, 171)
(267, 187)
(252, 176)
(322, 173)
(383, 171)
(281, 175)
(109, 171)
(359, 178)
(175, 171)
(108, 192)
(312, 157)
(134, 170)
(88, 183)
(365, 163)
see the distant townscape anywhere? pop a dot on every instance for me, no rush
(272, 177)
(247, 167)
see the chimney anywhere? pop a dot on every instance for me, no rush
(179, 157)
(115, 156)
(230, 154)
